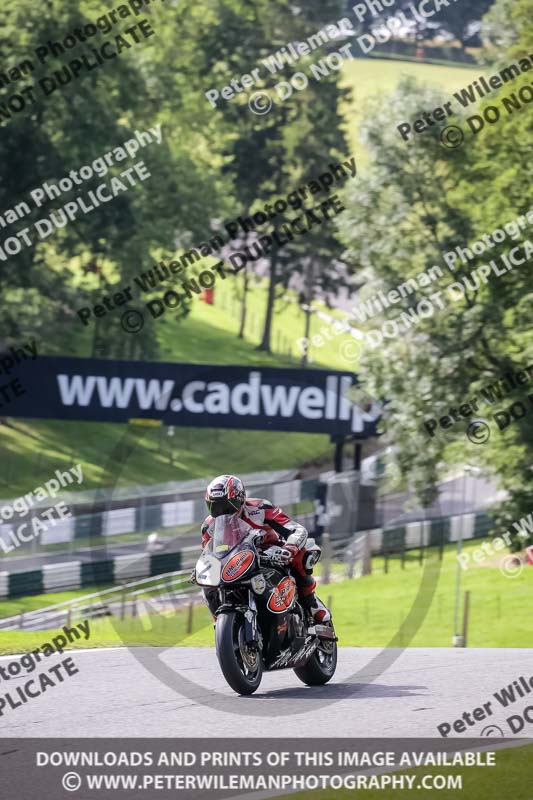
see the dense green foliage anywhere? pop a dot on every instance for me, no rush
(412, 202)
(416, 201)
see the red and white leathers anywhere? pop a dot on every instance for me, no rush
(279, 529)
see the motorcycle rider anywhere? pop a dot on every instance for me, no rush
(226, 495)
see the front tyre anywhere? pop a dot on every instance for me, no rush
(321, 666)
(241, 665)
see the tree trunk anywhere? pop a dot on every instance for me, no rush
(265, 341)
(245, 279)
(306, 334)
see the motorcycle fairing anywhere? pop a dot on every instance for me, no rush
(208, 570)
(236, 566)
(295, 657)
(283, 596)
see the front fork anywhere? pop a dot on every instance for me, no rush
(216, 602)
(251, 632)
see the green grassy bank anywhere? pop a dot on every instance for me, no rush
(411, 606)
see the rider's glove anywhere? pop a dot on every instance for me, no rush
(192, 576)
(281, 555)
(293, 550)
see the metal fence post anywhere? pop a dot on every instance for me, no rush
(367, 555)
(171, 597)
(142, 515)
(465, 617)
(190, 617)
(326, 552)
(351, 556)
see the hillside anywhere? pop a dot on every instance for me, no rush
(38, 449)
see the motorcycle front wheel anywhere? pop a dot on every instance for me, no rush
(242, 666)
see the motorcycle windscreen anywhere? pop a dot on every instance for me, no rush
(229, 532)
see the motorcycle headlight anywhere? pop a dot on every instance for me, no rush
(258, 584)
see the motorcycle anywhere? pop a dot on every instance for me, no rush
(260, 625)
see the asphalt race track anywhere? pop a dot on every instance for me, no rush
(181, 692)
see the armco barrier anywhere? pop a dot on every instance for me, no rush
(72, 575)
(177, 513)
(132, 565)
(88, 525)
(24, 583)
(429, 533)
(57, 576)
(76, 574)
(482, 526)
(417, 534)
(119, 520)
(62, 531)
(394, 540)
(165, 562)
(148, 517)
(97, 572)
(465, 526)
(440, 532)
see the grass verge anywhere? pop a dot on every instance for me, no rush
(410, 606)
(511, 776)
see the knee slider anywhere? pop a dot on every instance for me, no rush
(311, 557)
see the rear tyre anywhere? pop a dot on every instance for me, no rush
(241, 666)
(321, 666)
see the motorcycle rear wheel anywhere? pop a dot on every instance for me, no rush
(241, 667)
(321, 666)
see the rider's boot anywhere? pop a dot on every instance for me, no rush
(316, 607)
(306, 592)
(319, 611)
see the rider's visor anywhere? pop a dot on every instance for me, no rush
(219, 507)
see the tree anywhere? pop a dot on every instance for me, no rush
(505, 29)
(269, 156)
(416, 202)
(75, 125)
